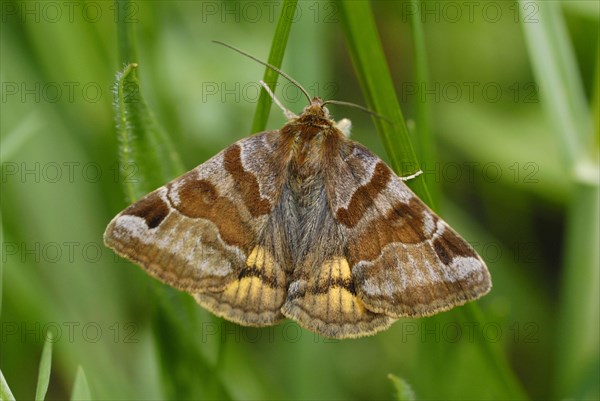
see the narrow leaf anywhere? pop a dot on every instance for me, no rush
(404, 391)
(147, 157)
(377, 85)
(282, 32)
(125, 31)
(44, 370)
(5, 393)
(577, 335)
(81, 389)
(555, 67)
(423, 140)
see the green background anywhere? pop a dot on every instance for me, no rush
(500, 100)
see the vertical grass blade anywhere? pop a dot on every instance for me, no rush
(377, 85)
(280, 39)
(44, 369)
(404, 391)
(147, 156)
(556, 72)
(579, 328)
(1, 265)
(81, 389)
(5, 393)
(125, 32)
(423, 140)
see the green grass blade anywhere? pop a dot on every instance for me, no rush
(5, 393)
(81, 389)
(1, 265)
(493, 353)
(556, 72)
(377, 85)
(280, 39)
(133, 188)
(147, 156)
(579, 322)
(578, 332)
(424, 140)
(404, 391)
(595, 143)
(125, 32)
(44, 370)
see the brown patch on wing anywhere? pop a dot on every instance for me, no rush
(246, 182)
(364, 197)
(200, 199)
(403, 223)
(449, 246)
(151, 208)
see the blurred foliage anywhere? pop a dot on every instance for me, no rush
(505, 182)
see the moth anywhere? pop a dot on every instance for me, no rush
(302, 223)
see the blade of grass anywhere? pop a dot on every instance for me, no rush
(5, 393)
(278, 45)
(424, 140)
(81, 389)
(125, 32)
(177, 327)
(147, 156)
(376, 83)
(578, 331)
(404, 391)
(595, 143)
(556, 73)
(44, 370)
(133, 189)
(1, 265)
(555, 68)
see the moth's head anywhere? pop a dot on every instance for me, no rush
(317, 108)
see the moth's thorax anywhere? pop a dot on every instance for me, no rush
(311, 137)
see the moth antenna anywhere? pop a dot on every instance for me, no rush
(289, 114)
(357, 106)
(277, 70)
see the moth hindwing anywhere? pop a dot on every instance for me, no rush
(300, 223)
